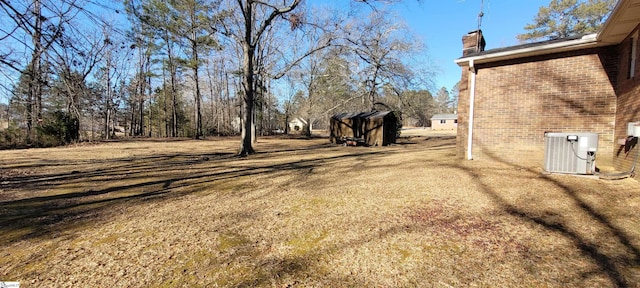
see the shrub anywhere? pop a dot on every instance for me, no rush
(12, 138)
(62, 129)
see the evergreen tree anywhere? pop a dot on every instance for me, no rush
(194, 29)
(565, 18)
(455, 93)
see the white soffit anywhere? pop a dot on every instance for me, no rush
(624, 18)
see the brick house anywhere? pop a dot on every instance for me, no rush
(509, 97)
(444, 122)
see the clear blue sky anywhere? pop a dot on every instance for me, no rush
(442, 23)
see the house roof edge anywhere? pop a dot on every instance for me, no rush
(535, 49)
(623, 20)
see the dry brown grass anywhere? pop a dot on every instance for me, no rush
(304, 213)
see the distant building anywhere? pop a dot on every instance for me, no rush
(297, 124)
(444, 122)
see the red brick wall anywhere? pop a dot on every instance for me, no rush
(628, 105)
(517, 101)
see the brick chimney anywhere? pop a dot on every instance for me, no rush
(472, 43)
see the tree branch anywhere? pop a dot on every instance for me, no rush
(272, 16)
(297, 61)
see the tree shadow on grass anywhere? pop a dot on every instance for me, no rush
(86, 195)
(47, 216)
(615, 265)
(91, 196)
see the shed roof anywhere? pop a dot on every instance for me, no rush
(374, 114)
(444, 117)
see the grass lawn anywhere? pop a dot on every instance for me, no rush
(305, 213)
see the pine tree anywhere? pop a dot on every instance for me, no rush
(565, 18)
(194, 29)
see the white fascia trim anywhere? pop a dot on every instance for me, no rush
(586, 41)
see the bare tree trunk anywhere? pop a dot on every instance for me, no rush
(214, 108)
(248, 49)
(286, 122)
(254, 130)
(140, 90)
(132, 121)
(248, 126)
(197, 96)
(164, 101)
(219, 109)
(114, 121)
(140, 130)
(269, 127)
(107, 101)
(34, 97)
(174, 97)
(229, 120)
(372, 92)
(256, 106)
(107, 121)
(151, 96)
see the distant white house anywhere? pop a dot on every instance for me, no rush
(444, 122)
(297, 124)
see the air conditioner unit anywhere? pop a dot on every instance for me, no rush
(573, 153)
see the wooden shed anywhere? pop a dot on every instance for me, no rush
(377, 128)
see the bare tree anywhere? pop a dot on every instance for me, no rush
(74, 64)
(380, 44)
(51, 29)
(249, 21)
(44, 23)
(112, 74)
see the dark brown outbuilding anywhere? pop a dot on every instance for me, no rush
(370, 128)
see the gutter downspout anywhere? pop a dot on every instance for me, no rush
(472, 96)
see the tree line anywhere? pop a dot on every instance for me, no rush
(82, 70)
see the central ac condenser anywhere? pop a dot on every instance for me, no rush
(573, 153)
